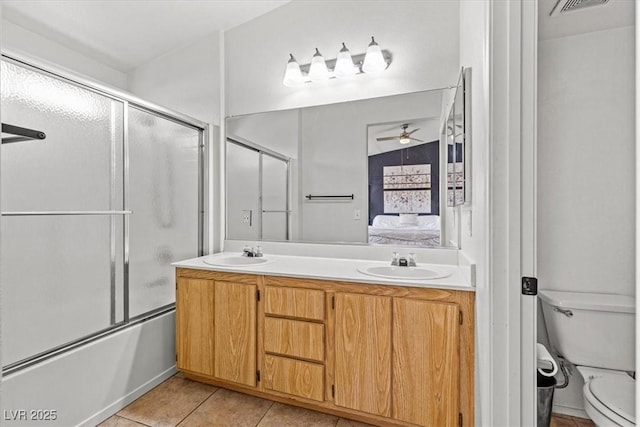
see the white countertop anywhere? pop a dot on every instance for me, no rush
(332, 269)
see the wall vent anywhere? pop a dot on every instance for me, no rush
(563, 6)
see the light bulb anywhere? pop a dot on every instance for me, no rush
(374, 62)
(292, 74)
(344, 64)
(405, 140)
(318, 70)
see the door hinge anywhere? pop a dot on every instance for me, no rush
(529, 286)
(333, 390)
(460, 317)
(333, 302)
(258, 375)
(459, 420)
(257, 294)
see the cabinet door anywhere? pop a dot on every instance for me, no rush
(235, 332)
(363, 353)
(194, 325)
(425, 362)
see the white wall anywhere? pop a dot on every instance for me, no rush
(277, 131)
(421, 35)
(586, 167)
(186, 80)
(334, 160)
(473, 53)
(21, 40)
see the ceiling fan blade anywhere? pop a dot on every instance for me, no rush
(388, 138)
(416, 139)
(415, 130)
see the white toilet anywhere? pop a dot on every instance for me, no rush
(596, 332)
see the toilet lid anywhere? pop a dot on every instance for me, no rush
(617, 394)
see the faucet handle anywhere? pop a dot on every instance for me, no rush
(412, 259)
(247, 250)
(258, 251)
(395, 257)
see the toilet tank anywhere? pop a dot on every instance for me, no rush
(591, 329)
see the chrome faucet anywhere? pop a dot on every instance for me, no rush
(248, 251)
(397, 260)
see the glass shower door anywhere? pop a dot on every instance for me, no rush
(163, 196)
(275, 206)
(62, 223)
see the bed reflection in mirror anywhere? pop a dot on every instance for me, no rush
(404, 182)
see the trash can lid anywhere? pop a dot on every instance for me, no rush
(617, 394)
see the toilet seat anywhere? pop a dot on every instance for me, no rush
(613, 398)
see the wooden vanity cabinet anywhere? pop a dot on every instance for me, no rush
(216, 325)
(293, 344)
(387, 355)
(362, 373)
(194, 325)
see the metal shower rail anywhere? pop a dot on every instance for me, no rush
(22, 134)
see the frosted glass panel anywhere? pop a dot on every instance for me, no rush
(56, 281)
(243, 192)
(274, 198)
(73, 168)
(163, 182)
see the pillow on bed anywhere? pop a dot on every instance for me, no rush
(385, 221)
(408, 220)
(429, 222)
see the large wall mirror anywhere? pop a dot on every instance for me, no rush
(375, 171)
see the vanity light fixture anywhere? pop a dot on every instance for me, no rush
(318, 70)
(373, 62)
(344, 64)
(293, 75)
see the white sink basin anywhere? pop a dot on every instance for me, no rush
(235, 261)
(407, 273)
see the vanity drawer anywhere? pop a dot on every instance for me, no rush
(294, 302)
(294, 338)
(295, 377)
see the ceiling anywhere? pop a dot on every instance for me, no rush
(615, 13)
(125, 34)
(427, 132)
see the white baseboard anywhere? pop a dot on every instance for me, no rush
(116, 406)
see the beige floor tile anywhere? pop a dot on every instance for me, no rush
(583, 422)
(343, 422)
(562, 421)
(290, 416)
(228, 408)
(169, 403)
(116, 421)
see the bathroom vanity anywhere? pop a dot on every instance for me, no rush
(317, 333)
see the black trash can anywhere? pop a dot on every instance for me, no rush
(546, 385)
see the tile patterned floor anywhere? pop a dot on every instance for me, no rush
(184, 403)
(559, 420)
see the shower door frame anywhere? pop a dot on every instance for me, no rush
(262, 151)
(128, 100)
